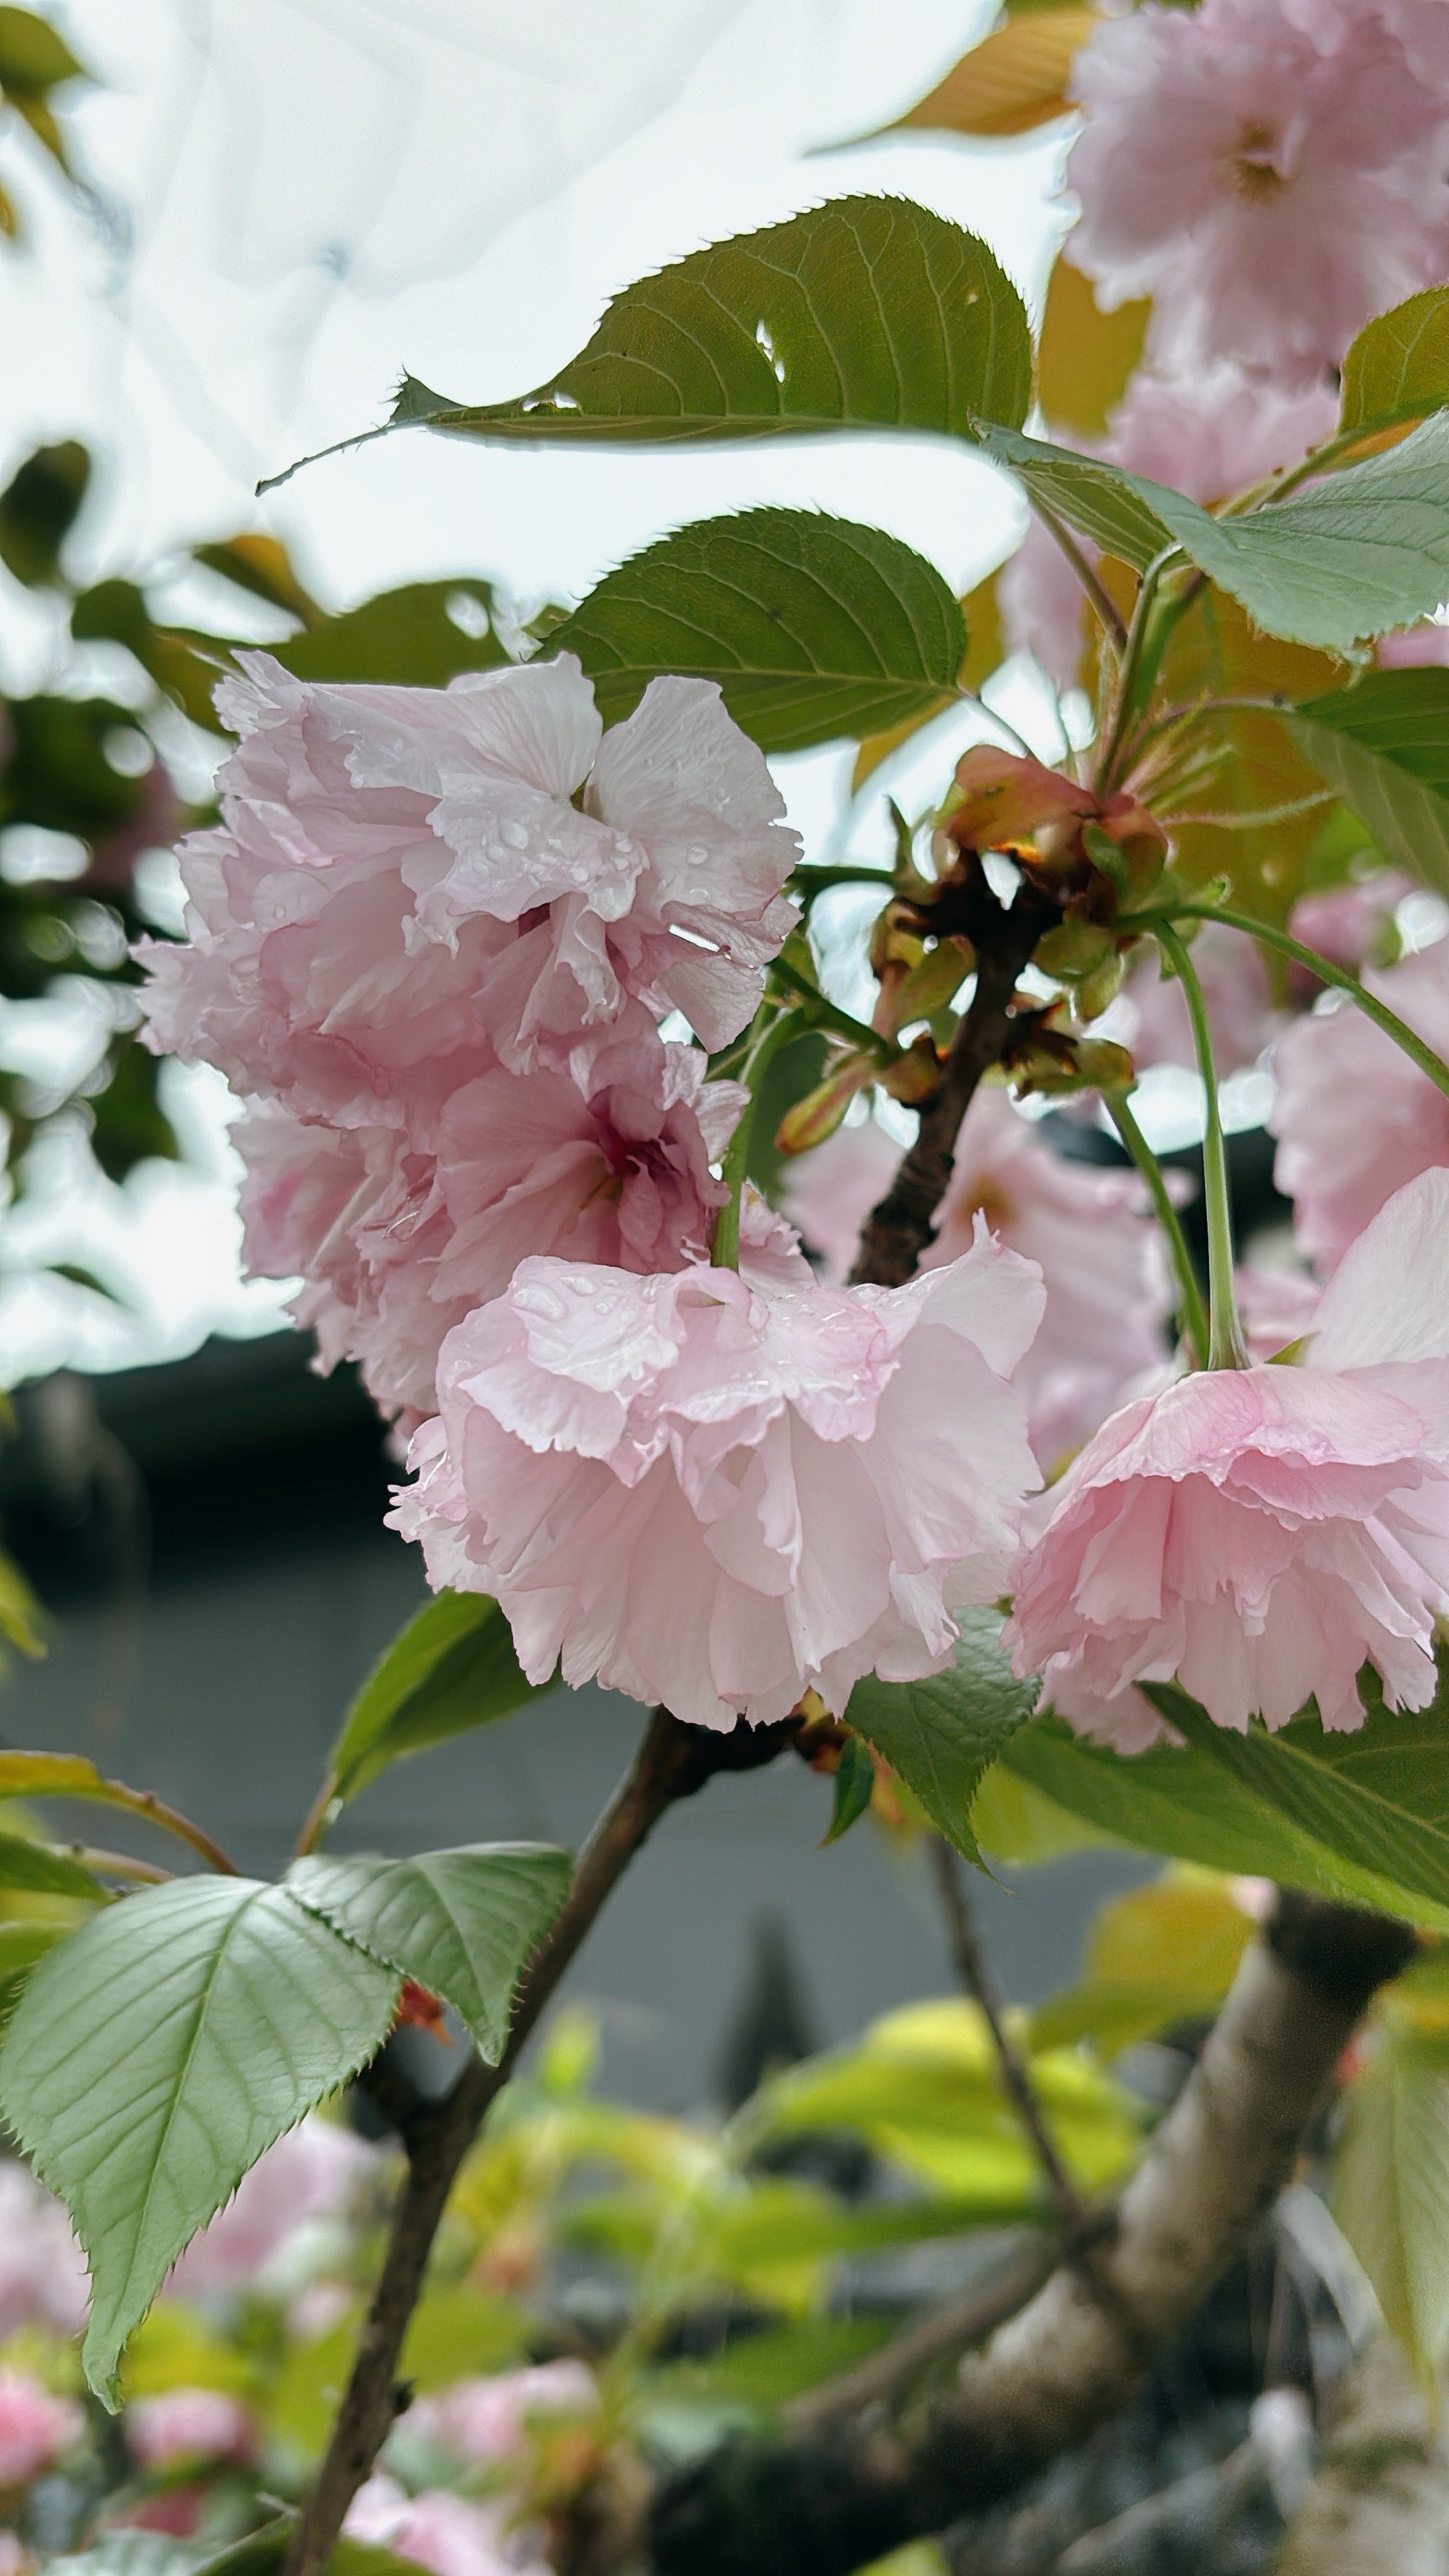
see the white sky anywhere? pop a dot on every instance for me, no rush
(304, 197)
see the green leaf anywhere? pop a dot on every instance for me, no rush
(463, 1923)
(261, 565)
(1184, 1801)
(34, 56)
(854, 1783)
(159, 2052)
(21, 1946)
(407, 638)
(40, 502)
(1398, 367)
(457, 2332)
(866, 313)
(765, 2370)
(1363, 552)
(1389, 2191)
(943, 1734)
(43, 1871)
(452, 1668)
(1384, 745)
(1378, 1798)
(812, 627)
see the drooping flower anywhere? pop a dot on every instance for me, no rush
(604, 1157)
(1272, 173)
(1354, 1118)
(34, 2428)
(1261, 1533)
(183, 2424)
(719, 1489)
(402, 891)
(315, 2172)
(1086, 1229)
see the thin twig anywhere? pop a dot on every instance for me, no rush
(673, 1762)
(1109, 614)
(974, 1971)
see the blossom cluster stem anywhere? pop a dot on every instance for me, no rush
(1225, 1340)
(672, 1763)
(1194, 1312)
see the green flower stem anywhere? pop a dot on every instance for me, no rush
(1327, 973)
(725, 1251)
(1194, 1312)
(1225, 1340)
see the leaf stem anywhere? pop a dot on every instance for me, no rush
(109, 1864)
(1109, 615)
(144, 1802)
(1225, 1340)
(1429, 1064)
(1194, 1312)
(725, 1250)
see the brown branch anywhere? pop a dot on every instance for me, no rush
(673, 1762)
(1075, 2354)
(897, 1232)
(974, 1971)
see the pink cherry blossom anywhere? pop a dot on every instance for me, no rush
(1262, 1533)
(1217, 432)
(190, 2424)
(1086, 1229)
(717, 1490)
(43, 2279)
(484, 2421)
(403, 893)
(1353, 1117)
(446, 2532)
(34, 2427)
(604, 1157)
(316, 2171)
(1271, 172)
(1239, 999)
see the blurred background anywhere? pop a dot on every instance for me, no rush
(266, 211)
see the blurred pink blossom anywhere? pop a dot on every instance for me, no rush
(1347, 923)
(42, 2269)
(605, 1157)
(34, 2427)
(716, 1489)
(1272, 172)
(1275, 1307)
(403, 893)
(1043, 605)
(484, 2421)
(1261, 1533)
(443, 2531)
(189, 2424)
(1240, 1007)
(1413, 648)
(1086, 1229)
(1354, 1118)
(316, 2171)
